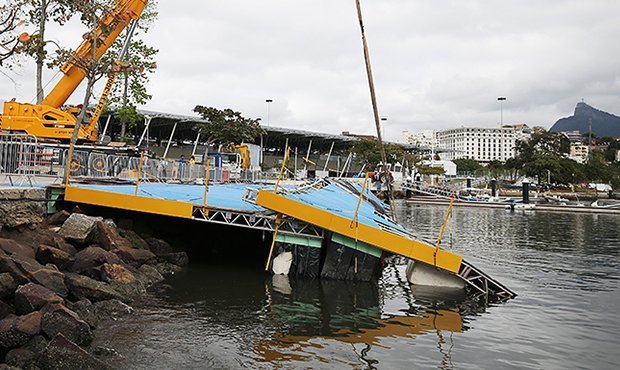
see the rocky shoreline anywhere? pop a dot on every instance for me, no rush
(63, 276)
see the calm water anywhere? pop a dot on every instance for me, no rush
(565, 268)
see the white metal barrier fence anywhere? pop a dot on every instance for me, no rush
(23, 156)
(101, 165)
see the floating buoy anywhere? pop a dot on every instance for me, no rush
(282, 263)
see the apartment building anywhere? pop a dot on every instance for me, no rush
(579, 152)
(424, 139)
(481, 144)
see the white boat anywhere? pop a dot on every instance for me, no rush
(520, 206)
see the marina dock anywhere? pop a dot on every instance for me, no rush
(429, 200)
(350, 228)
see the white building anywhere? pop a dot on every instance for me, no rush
(579, 152)
(425, 139)
(448, 166)
(522, 131)
(573, 136)
(481, 144)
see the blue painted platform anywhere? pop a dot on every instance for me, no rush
(224, 196)
(331, 198)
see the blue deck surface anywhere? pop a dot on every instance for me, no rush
(334, 199)
(226, 196)
(331, 198)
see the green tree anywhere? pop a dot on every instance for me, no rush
(467, 165)
(40, 12)
(368, 151)
(226, 126)
(512, 166)
(610, 152)
(544, 156)
(428, 170)
(133, 71)
(9, 22)
(597, 169)
(615, 173)
(90, 12)
(495, 168)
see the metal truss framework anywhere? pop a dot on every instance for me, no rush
(483, 284)
(257, 221)
(423, 188)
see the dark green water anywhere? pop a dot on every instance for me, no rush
(565, 268)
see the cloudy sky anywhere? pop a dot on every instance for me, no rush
(437, 64)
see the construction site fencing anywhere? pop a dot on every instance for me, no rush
(23, 158)
(122, 167)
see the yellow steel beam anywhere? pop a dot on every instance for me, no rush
(129, 202)
(382, 239)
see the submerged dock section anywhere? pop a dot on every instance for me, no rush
(328, 228)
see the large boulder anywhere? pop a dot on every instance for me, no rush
(136, 257)
(11, 247)
(81, 287)
(59, 319)
(10, 266)
(176, 258)
(52, 279)
(9, 367)
(7, 285)
(88, 261)
(46, 254)
(129, 291)
(61, 354)
(21, 358)
(63, 245)
(86, 311)
(94, 313)
(79, 228)
(109, 238)
(36, 344)
(25, 270)
(31, 297)
(25, 208)
(50, 238)
(149, 275)
(136, 240)
(158, 246)
(112, 309)
(117, 273)
(16, 331)
(166, 268)
(43, 236)
(58, 218)
(5, 310)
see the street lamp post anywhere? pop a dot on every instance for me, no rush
(501, 109)
(268, 101)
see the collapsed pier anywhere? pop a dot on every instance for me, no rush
(328, 228)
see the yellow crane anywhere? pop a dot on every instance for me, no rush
(49, 120)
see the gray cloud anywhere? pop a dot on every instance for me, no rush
(437, 64)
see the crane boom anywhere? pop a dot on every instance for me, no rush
(48, 120)
(108, 29)
(94, 119)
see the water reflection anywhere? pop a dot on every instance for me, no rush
(557, 249)
(565, 268)
(311, 314)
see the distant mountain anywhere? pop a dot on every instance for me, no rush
(603, 123)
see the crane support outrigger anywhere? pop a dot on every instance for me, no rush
(49, 120)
